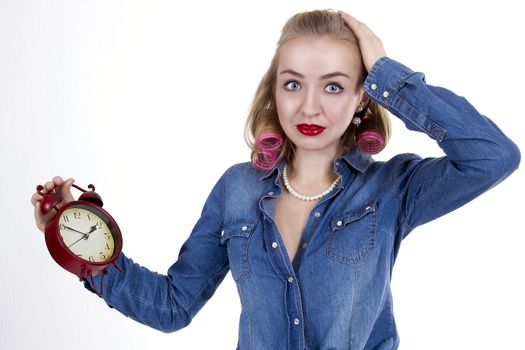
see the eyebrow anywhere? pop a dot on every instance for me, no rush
(326, 76)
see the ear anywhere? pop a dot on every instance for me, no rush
(364, 101)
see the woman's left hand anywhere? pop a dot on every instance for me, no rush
(370, 45)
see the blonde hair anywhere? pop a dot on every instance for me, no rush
(263, 132)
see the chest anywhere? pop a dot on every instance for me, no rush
(291, 216)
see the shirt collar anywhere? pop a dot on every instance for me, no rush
(355, 159)
(278, 169)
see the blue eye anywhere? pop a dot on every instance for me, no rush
(292, 85)
(334, 88)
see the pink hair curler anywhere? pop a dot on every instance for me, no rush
(370, 142)
(268, 146)
(367, 138)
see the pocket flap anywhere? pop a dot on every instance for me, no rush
(351, 215)
(237, 229)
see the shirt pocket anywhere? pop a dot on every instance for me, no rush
(352, 235)
(236, 236)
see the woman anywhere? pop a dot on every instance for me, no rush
(310, 229)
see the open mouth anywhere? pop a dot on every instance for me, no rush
(310, 129)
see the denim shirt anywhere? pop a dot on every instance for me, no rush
(336, 293)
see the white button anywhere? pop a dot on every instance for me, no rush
(270, 193)
(290, 279)
(296, 321)
(222, 232)
(339, 223)
(317, 214)
(305, 245)
(244, 228)
(275, 245)
(385, 94)
(367, 208)
(374, 86)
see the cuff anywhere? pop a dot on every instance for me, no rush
(385, 79)
(384, 84)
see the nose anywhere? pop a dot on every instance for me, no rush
(311, 103)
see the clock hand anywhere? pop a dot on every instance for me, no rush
(72, 229)
(84, 236)
(93, 228)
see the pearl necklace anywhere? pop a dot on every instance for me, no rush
(304, 197)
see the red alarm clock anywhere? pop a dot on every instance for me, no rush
(83, 238)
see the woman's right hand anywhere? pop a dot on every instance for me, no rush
(370, 45)
(59, 186)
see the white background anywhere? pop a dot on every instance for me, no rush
(147, 100)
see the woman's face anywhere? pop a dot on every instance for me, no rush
(316, 91)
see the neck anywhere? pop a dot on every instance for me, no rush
(312, 171)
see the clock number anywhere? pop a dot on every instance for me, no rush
(92, 259)
(79, 255)
(107, 235)
(99, 225)
(107, 247)
(62, 227)
(103, 256)
(77, 215)
(89, 217)
(66, 219)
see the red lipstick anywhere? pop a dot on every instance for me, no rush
(310, 129)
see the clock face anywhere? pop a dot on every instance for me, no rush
(85, 232)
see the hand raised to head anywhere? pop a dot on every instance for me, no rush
(370, 45)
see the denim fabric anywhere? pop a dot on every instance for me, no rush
(336, 293)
